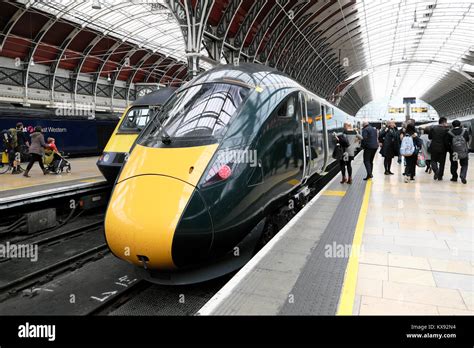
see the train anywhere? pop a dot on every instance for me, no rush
(76, 135)
(133, 120)
(210, 175)
(467, 122)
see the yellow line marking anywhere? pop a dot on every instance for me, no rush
(293, 182)
(333, 193)
(346, 302)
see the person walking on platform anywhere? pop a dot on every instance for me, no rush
(410, 147)
(348, 140)
(458, 140)
(424, 150)
(390, 140)
(438, 148)
(36, 150)
(370, 146)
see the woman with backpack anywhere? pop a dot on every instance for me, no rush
(347, 141)
(390, 140)
(410, 147)
(36, 150)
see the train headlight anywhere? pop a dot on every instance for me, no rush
(106, 157)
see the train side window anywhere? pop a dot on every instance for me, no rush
(287, 109)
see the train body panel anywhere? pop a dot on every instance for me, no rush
(266, 138)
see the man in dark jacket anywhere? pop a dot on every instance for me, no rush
(462, 156)
(438, 148)
(390, 140)
(370, 146)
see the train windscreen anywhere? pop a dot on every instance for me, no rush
(196, 116)
(135, 120)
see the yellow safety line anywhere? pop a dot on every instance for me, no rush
(333, 193)
(346, 302)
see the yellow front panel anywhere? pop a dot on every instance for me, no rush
(149, 199)
(120, 142)
(174, 162)
(142, 217)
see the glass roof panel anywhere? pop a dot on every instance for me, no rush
(412, 44)
(147, 24)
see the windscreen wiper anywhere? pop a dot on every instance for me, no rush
(165, 137)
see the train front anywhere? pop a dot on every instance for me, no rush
(157, 218)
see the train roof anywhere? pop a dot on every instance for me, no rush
(158, 97)
(249, 74)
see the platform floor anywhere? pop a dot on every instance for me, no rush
(83, 170)
(417, 254)
(379, 247)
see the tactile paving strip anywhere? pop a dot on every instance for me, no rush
(318, 288)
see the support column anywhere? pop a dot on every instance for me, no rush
(192, 20)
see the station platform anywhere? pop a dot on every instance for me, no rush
(381, 247)
(84, 172)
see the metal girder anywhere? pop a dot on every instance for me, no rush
(157, 66)
(286, 38)
(288, 49)
(275, 34)
(192, 21)
(139, 66)
(267, 22)
(247, 24)
(224, 25)
(77, 70)
(35, 43)
(175, 75)
(109, 53)
(62, 49)
(119, 71)
(10, 25)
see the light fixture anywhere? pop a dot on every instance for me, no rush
(32, 62)
(108, 78)
(96, 5)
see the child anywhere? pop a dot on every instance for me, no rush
(52, 145)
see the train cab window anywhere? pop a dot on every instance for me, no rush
(135, 120)
(287, 109)
(197, 115)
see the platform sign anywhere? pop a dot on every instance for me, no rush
(409, 100)
(419, 109)
(396, 110)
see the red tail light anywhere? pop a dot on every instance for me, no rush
(224, 172)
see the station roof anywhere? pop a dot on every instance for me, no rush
(348, 51)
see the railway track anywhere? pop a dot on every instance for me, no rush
(83, 278)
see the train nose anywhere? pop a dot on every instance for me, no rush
(142, 219)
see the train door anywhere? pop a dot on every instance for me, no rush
(325, 112)
(316, 138)
(305, 136)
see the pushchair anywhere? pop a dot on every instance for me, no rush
(55, 163)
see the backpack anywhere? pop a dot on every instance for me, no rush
(408, 147)
(7, 139)
(459, 145)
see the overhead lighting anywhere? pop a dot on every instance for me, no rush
(96, 5)
(108, 78)
(32, 62)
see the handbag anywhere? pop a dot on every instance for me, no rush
(337, 153)
(421, 162)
